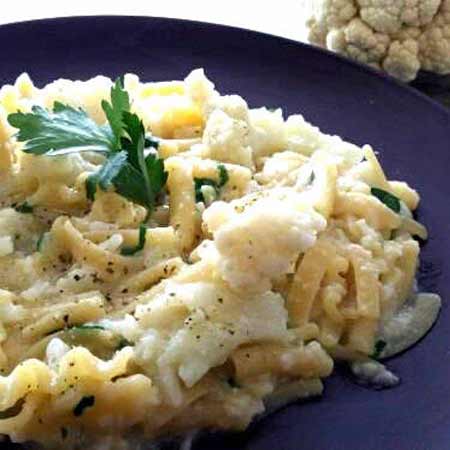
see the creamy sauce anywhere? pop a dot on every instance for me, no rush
(374, 374)
(410, 324)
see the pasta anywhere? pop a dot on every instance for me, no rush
(270, 250)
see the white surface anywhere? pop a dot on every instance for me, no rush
(280, 17)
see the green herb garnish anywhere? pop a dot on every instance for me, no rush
(216, 185)
(223, 175)
(85, 402)
(379, 347)
(24, 208)
(128, 251)
(105, 175)
(199, 183)
(87, 326)
(39, 242)
(61, 131)
(130, 167)
(390, 200)
(123, 342)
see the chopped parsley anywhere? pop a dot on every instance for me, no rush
(379, 347)
(87, 326)
(24, 208)
(128, 251)
(85, 402)
(216, 186)
(131, 165)
(40, 242)
(390, 200)
(123, 342)
(223, 175)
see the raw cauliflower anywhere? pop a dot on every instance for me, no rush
(259, 240)
(398, 36)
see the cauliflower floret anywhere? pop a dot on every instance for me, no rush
(325, 15)
(232, 105)
(267, 131)
(302, 137)
(202, 93)
(434, 43)
(359, 42)
(400, 36)
(199, 88)
(261, 243)
(387, 16)
(281, 169)
(226, 139)
(333, 13)
(402, 60)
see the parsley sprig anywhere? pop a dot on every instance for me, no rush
(131, 164)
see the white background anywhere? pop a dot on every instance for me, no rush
(280, 17)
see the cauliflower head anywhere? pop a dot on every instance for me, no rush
(398, 36)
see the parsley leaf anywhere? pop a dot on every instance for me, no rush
(217, 185)
(390, 200)
(379, 347)
(136, 176)
(65, 130)
(24, 208)
(105, 175)
(128, 251)
(85, 402)
(120, 103)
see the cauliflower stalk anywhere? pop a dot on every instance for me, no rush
(398, 36)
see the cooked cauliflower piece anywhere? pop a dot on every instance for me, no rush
(260, 242)
(226, 139)
(214, 321)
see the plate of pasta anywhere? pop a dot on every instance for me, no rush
(217, 236)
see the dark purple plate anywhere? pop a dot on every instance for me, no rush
(411, 132)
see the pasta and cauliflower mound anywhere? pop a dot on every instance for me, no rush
(272, 250)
